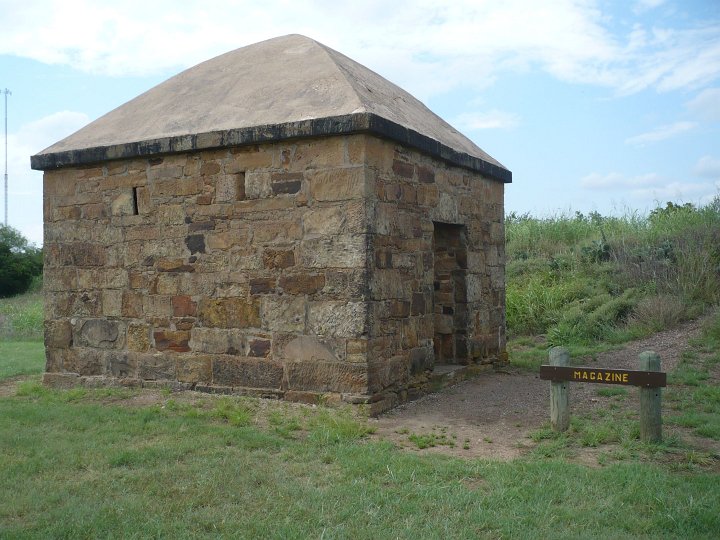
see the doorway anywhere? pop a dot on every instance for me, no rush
(450, 294)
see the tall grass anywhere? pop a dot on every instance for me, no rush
(21, 317)
(586, 279)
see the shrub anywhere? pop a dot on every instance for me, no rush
(20, 262)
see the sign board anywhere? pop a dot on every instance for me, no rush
(647, 379)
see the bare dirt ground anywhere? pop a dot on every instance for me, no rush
(491, 416)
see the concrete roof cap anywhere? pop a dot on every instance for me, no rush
(282, 88)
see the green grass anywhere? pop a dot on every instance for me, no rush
(586, 281)
(77, 467)
(21, 358)
(21, 317)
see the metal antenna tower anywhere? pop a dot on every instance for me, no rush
(7, 93)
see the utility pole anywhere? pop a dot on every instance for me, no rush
(7, 93)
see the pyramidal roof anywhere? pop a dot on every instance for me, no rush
(282, 88)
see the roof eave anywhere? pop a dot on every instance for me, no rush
(320, 127)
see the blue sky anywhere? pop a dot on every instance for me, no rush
(594, 106)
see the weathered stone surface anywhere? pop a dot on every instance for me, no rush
(99, 333)
(338, 184)
(120, 364)
(58, 333)
(257, 185)
(173, 340)
(343, 251)
(61, 380)
(308, 349)
(123, 204)
(337, 318)
(183, 306)
(85, 361)
(194, 369)
(286, 314)
(217, 340)
(384, 373)
(322, 376)
(278, 258)
(229, 313)
(138, 337)
(155, 366)
(302, 283)
(248, 372)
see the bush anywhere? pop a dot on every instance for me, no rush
(20, 262)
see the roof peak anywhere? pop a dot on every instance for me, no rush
(283, 87)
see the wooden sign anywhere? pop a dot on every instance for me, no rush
(646, 379)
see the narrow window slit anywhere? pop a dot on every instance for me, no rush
(135, 201)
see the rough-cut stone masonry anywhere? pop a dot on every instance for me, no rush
(287, 269)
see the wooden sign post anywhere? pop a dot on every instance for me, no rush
(559, 392)
(650, 380)
(650, 401)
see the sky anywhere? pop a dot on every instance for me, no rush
(611, 107)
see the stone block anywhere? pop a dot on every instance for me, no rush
(132, 304)
(302, 283)
(342, 251)
(123, 204)
(229, 313)
(142, 199)
(323, 376)
(403, 169)
(183, 306)
(157, 305)
(112, 303)
(262, 285)
(58, 333)
(157, 366)
(259, 347)
(338, 184)
(258, 184)
(193, 369)
(283, 314)
(246, 372)
(138, 337)
(98, 333)
(120, 364)
(85, 361)
(337, 318)
(383, 373)
(217, 340)
(278, 258)
(61, 380)
(172, 340)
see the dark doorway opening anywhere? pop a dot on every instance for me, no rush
(450, 294)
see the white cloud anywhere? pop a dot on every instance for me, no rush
(662, 133)
(428, 46)
(707, 167)
(620, 181)
(706, 105)
(492, 119)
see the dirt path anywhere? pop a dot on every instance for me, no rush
(491, 416)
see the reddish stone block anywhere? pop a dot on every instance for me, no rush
(259, 347)
(173, 340)
(183, 306)
(426, 175)
(262, 285)
(302, 284)
(402, 168)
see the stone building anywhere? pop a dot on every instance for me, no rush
(277, 221)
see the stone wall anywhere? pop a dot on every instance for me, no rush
(236, 270)
(294, 270)
(413, 195)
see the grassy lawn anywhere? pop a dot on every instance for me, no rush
(21, 358)
(76, 466)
